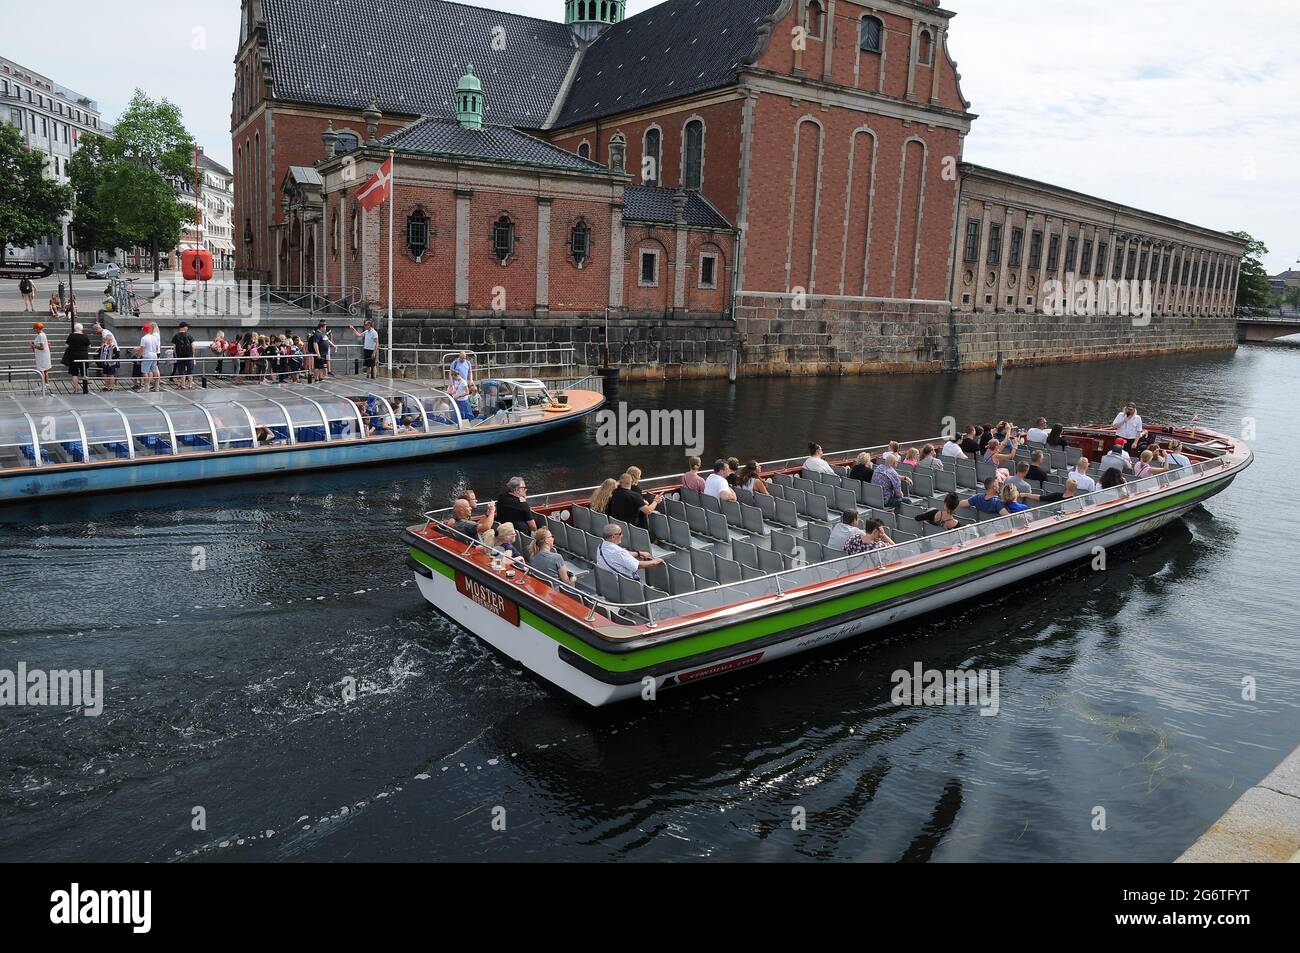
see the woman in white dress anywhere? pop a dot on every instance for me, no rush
(41, 351)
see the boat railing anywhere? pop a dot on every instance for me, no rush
(786, 582)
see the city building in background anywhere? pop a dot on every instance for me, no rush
(52, 118)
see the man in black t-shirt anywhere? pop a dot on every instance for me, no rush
(513, 507)
(319, 345)
(183, 366)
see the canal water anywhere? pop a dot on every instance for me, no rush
(234, 624)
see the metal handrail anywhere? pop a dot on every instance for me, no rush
(901, 551)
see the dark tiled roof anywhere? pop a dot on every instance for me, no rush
(409, 54)
(648, 203)
(446, 137)
(677, 48)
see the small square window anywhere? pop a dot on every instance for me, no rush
(708, 271)
(649, 268)
(965, 299)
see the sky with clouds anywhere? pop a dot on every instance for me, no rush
(1189, 108)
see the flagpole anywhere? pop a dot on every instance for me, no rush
(392, 197)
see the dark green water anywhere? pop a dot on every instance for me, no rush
(225, 687)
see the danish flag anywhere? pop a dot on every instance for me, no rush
(378, 187)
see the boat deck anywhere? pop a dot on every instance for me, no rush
(721, 555)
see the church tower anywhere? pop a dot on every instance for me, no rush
(588, 18)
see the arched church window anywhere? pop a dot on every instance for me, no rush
(871, 35)
(584, 150)
(580, 243)
(925, 49)
(814, 21)
(417, 233)
(693, 155)
(651, 157)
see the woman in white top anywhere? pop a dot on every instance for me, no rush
(41, 351)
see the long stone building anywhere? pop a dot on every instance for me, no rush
(781, 177)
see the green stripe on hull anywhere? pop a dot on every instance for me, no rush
(745, 631)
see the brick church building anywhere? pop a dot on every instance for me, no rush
(705, 161)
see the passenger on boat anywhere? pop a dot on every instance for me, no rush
(1128, 423)
(970, 444)
(109, 356)
(1071, 489)
(1080, 476)
(1149, 465)
(953, 449)
(733, 475)
(750, 479)
(945, 517)
(508, 542)
(929, 458)
(877, 538)
(716, 485)
(846, 535)
(1117, 458)
(1039, 432)
(862, 469)
(604, 493)
(986, 435)
(458, 389)
(888, 479)
(988, 502)
(691, 479)
(1112, 478)
(1175, 457)
(464, 523)
(1011, 499)
(1020, 480)
(1057, 437)
(1036, 471)
(630, 506)
(910, 460)
(635, 474)
(815, 461)
(513, 506)
(1002, 453)
(612, 556)
(543, 557)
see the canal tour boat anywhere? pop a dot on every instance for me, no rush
(753, 581)
(121, 439)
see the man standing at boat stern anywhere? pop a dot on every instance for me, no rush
(1128, 424)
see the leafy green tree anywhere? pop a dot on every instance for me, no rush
(30, 203)
(150, 153)
(1252, 286)
(96, 223)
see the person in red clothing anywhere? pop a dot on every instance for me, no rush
(691, 479)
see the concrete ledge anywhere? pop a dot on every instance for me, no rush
(1262, 827)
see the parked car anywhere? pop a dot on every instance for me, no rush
(105, 269)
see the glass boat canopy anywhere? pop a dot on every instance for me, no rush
(128, 425)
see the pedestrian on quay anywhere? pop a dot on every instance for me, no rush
(148, 351)
(76, 355)
(108, 356)
(319, 345)
(41, 352)
(28, 290)
(220, 348)
(183, 351)
(369, 347)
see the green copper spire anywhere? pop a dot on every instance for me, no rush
(469, 100)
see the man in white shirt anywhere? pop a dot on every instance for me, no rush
(716, 485)
(1038, 433)
(1129, 424)
(148, 351)
(369, 347)
(815, 461)
(1117, 459)
(953, 449)
(1083, 482)
(616, 559)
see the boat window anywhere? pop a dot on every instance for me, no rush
(441, 411)
(106, 434)
(15, 441)
(193, 431)
(272, 424)
(233, 430)
(58, 433)
(151, 433)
